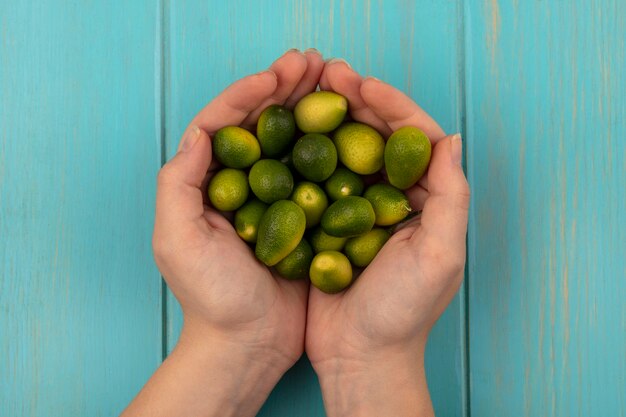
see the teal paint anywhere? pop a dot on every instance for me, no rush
(79, 293)
(546, 128)
(94, 95)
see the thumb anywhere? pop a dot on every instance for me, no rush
(179, 193)
(444, 218)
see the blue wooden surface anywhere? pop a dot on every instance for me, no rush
(93, 95)
(80, 297)
(546, 122)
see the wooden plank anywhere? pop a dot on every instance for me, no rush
(80, 321)
(415, 47)
(547, 122)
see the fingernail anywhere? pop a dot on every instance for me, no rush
(313, 50)
(190, 139)
(370, 77)
(456, 149)
(267, 71)
(293, 50)
(338, 60)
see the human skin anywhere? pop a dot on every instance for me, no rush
(367, 344)
(244, 326)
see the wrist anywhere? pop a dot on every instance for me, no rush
(386, 382)
(211, 373)
(237, 377)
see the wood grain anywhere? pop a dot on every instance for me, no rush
(80, 327)
(546, 127)
(87, 89)
(211, 44)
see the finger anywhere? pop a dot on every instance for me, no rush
(444, 218)
(289, 70)
(406, 228)
(214, 167)
(423, 182)
(236, 102)
(310, 79)
(397, 109)
(219, 220)
(342, 79)
(417, 197)
(179, 196)
(324, 84)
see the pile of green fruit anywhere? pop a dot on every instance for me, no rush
(307, 190)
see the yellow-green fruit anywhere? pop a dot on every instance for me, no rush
(330, 272)
(359, 147)
(390, 204)
(275, 129)
(315, 157)
(362, 249)
(296, 265)
(349, 216)
(247, 219)
(313, 201)
(320, 112)
(343, 183)
(235, 147)
(407, 154)
(281, 229)
(322, 241)
(228, 189)
(270, 180)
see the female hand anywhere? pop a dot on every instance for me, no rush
(243, 327)
(367, 344)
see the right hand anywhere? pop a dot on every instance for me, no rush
(234, 308)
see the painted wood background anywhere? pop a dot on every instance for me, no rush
(94, 96)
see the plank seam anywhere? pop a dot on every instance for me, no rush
(463, 40)
(162, 62)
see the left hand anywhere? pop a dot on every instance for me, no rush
(367, 343)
